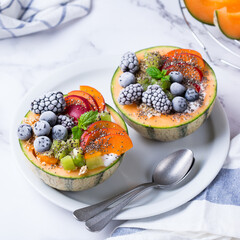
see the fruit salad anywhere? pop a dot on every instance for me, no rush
(162, 84)
(75, 133)
(164, 92)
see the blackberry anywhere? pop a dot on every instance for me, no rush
(132, 93)
(155, 97)
(52, 101)
(129, 62)
(66, 121)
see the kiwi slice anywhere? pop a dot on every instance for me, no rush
(56, 145)
(62, 152)
(105, 116)
(67, 163)
(78, 158)
(72, 143)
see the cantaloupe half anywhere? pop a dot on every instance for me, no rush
(70, 180)
(166, 127)
(203, 10)
(228, 23)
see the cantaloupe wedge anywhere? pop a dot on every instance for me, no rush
(203, 10)
(228, 23)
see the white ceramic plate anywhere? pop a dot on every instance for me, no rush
(209, 143)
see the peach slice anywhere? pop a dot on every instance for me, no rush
(180, 51)
(96, 95)
(87, 96)
(93, 135)
(103, 124)
(191, 59)
(188, 71)
(113, 143)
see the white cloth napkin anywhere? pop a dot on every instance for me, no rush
(213, 214)
(22, 17)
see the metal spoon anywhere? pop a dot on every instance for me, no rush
(170, 171)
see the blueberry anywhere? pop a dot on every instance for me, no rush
(42, 144)
(41, 128)
(59, 132)
(50, 117)
(191, 95)
(179, 104)
(126, 79)
(176, 76)
(24, 132)
(177, 89)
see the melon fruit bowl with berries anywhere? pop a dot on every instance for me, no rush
(74, 142)
(164, 92)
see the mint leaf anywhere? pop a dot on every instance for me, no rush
(154, 72)
(164, 72)
(165, 78)
(87, 118)
(77, 132)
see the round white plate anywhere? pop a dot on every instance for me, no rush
(209, 143)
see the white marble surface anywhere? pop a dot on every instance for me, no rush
(113, 27)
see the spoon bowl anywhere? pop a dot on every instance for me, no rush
(173, 168)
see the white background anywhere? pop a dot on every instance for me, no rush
(112, 27)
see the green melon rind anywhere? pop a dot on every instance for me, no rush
(120, 118)
(75, 183)
(200, 20)
(216, 23)
(166, 133)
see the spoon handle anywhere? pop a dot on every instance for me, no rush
(83, 214)
(99, 221)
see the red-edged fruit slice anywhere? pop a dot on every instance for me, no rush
(76, 111)
(197, 87)
(77, 100)
(113, 143)
(96, 95)
(103, 124)
(180, 51)
(86, 139)
(87, 96)
(189, 72)
(191, 59)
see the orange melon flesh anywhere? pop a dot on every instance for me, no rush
(229, 23)
(203, 10)
(27, 149)
(133, 113)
